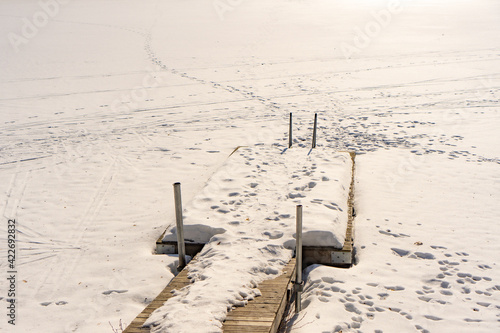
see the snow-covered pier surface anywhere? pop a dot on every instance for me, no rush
(255, 192)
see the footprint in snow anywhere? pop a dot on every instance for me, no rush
(332, 207)
(400, 252)
(330, 280)
(484, 267)
(349, 307)
(468, 320)
(109, 292)
(383, 295)
(433, 318)
(416, 255)
(437, 247)
(394, 288)
(421, 329)
(389, 233)
(273, 234)
(422, 255)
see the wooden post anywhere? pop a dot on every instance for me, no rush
(180, 226)
(290, 132)
(298, 255)
(314, 130)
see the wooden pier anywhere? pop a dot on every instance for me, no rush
(262, 314)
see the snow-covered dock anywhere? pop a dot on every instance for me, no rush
(239, 228)
(255, 192)
(263, 314)
(331, 256)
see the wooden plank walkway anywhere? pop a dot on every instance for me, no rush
(178, 282)
(264, 313)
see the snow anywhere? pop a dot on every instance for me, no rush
(107, 103)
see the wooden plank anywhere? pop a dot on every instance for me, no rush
(249, 329)
(244, 315)
(245, 323)
(254, 318)
(266, 309)
(252, 306)
(251, 314)
(138, 329)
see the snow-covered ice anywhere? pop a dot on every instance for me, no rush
(105, 104)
